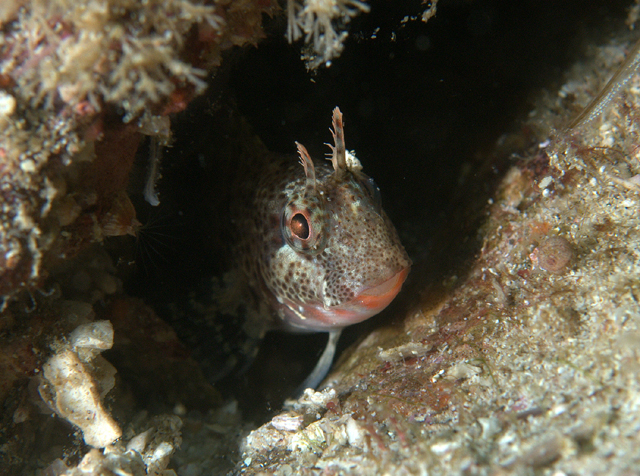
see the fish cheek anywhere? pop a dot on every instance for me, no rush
(297, 276)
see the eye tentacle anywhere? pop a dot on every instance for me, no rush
(338, 152)
(309, 169)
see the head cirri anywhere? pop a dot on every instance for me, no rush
(324, 254)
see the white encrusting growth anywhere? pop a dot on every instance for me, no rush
(76, 379)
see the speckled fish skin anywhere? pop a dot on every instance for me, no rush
(314, 243)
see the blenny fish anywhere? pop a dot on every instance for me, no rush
(315, 247)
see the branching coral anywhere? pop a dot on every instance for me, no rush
(322, 23)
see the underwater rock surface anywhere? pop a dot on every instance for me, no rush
(528, 362)
(82, 83)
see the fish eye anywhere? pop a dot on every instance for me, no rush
(302, 225)
(299, 226)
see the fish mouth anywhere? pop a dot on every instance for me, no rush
(374, 299)
(367, 303)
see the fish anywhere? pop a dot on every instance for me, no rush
(314, 246)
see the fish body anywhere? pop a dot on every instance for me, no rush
(314, 245)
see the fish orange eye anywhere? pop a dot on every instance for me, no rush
(299, 226)
(302, 225)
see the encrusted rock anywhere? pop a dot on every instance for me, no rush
(76, 379)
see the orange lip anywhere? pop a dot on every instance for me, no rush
(380, 296)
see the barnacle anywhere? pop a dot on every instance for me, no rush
(554, 254)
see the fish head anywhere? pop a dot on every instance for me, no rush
(340, 260)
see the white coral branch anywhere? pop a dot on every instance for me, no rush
(322, 23)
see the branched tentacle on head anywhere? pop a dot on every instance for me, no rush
(309, 169)
(338, 156)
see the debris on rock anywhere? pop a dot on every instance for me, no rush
(147, 453)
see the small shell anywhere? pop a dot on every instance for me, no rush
(555, 254)
(287, 422)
